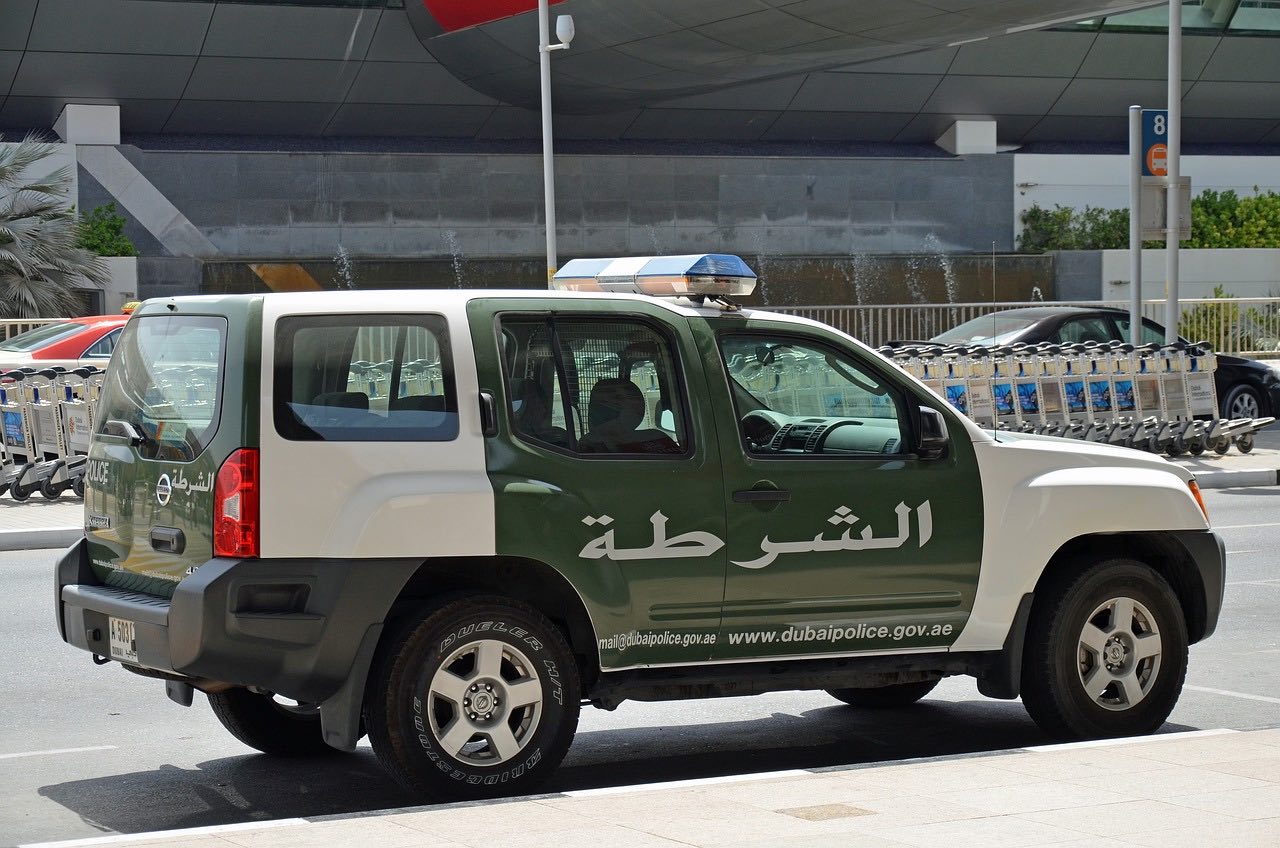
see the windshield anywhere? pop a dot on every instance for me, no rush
(987, 329)
(165, 380)
(41, 336)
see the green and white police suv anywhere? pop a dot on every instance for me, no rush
(451, 518)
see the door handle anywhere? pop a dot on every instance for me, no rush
(168, 540)
(761, 496)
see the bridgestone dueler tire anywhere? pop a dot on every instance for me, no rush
(884, 697)
(401, 709)
(272, 728)
(1052, 690)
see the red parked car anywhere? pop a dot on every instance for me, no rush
(71, 343)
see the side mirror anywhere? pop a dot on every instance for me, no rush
(933, 441)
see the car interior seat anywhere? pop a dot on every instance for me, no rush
(614, 411)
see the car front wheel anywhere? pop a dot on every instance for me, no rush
(1241, 402)
(1106, 652)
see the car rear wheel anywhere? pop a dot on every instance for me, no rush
(1106, 652)
(884, 697)
(474, 699)
(1241, 402)
(271, 724)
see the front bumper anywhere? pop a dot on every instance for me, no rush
(288, 626)
(1208, 553)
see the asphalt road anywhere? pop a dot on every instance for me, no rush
(86, 751)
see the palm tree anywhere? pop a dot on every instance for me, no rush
(41, 264)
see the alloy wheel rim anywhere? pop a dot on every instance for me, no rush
(484, 703)
(1118, 654)
(1244, 405)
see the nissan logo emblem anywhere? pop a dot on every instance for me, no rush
(164, 490)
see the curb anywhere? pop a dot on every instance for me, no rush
(36, 538)
(1232, 479)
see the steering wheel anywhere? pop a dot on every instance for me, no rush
(759, 428)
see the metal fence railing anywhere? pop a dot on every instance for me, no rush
(1245, 326)
(10, 328)
(1248, 326)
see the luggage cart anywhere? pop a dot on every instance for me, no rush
(45, 458)
(16, 433)
(75, 428)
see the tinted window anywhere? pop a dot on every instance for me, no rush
(594, 386)
(166, 380)
(1151, 334)
(364, 378)
(1090, 329)
(103, 347)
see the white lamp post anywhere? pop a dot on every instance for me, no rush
(1173, 237)
(564, 32)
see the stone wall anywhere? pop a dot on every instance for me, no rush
(254, 205)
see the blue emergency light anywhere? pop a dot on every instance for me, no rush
(693, 275)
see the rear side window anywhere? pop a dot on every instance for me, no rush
(364, 378)
(166, 381)
(102, 348)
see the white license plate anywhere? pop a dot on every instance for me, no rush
(124, 645)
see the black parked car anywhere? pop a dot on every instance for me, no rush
(1246, 389)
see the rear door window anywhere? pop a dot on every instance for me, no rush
(1088, 329)
(364, 378)
(166, 382)
(102, 348)
(595, 386)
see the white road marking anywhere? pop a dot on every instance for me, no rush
(171, 835)
(1131, 740)
(1233, 553)
(1244, 526)
(1253, 582)
(57, 751)
(1228, 693)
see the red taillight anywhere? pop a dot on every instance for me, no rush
(235, 506)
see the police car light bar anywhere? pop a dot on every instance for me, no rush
(698, 274)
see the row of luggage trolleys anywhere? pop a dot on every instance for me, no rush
(1159, 398)
(47, 418)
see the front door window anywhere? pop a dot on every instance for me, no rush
(795, 398)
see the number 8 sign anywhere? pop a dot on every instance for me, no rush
(1155, 143)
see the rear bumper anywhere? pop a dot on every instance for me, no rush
(288, 626)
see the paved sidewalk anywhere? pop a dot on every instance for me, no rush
(40, 523)
(1205, 788)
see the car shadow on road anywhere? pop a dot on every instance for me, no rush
(818, 738)
(261, 788)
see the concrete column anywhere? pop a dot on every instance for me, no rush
(83, 124)
(969, 137)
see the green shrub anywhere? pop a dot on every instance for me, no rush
(1219, 219)
(102, 233)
